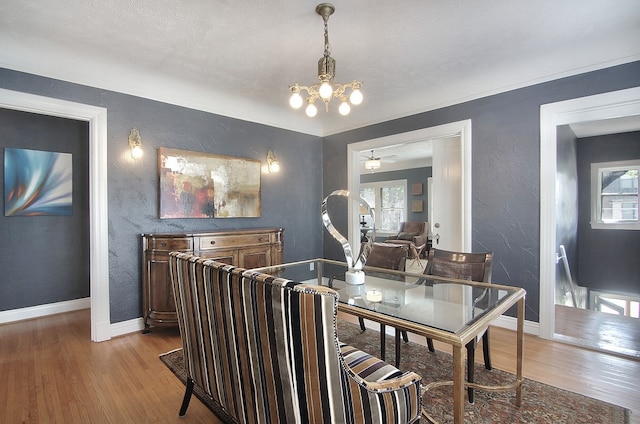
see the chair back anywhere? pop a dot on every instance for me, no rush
(388, 256)
(460, 265)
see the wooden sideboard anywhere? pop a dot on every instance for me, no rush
(244, 248)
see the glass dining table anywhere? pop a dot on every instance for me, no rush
(448, 310)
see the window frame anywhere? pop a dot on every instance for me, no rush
(378, 186)
(596, 195)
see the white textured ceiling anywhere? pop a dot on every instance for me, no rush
(238, 57)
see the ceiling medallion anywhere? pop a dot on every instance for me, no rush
(326, 89)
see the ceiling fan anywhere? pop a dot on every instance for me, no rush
(372, 162)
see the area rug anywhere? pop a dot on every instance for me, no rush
(541, 403)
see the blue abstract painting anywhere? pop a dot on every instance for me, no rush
(37, 183)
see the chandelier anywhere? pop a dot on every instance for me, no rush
(326, 89)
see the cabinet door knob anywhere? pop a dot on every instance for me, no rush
(163, 244)
(212, 242)
(260, 239)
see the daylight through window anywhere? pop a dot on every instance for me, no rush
(389, 199)
(614, 195)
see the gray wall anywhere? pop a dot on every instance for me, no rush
(505, 167)
(44, 259)
(290, 199)
(607, 259)
(567, 202)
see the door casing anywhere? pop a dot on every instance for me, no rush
(616, 104)
(461, 129)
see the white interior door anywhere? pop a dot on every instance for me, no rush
(447, 204)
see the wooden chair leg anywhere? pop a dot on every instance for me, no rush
(471, 350)
(430, 345)
(361, 321)
(485, 350)
(187, 397)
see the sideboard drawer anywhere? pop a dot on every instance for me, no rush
(170, 244)
(216, 242)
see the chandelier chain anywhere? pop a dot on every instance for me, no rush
(327, 46)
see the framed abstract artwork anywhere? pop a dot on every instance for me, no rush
(205, 185)
(37, 183)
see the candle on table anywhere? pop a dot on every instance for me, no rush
(374, 296)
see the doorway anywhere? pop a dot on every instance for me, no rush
(98, 222)
(460, 129)
(620, 111)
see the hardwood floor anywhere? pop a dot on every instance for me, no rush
(598, 330)
(52, 373)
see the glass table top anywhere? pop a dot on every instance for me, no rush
(446, 304)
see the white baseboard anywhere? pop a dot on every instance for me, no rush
(117, 329)
(44, 310)
(510, 323)
(126, 327)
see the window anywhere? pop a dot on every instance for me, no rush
(614, 195)
(390, 202)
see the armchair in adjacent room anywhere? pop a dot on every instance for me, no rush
(412, 233)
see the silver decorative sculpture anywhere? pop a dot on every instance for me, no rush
(354, 274)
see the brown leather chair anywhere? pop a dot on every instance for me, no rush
(387, 256)
(463, 266)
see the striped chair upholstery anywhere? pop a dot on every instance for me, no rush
(266, 350)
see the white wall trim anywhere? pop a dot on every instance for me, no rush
(126, 327)
(44, 310)
(98, 196)
(511, 323)
(39, 311)
(615, 104)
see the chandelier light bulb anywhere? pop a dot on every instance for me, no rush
(356, 96)
(311, 110)
(325, 90)
(344, 108)
(296, 100)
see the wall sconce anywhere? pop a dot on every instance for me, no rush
(135, 142)
(272, 163)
